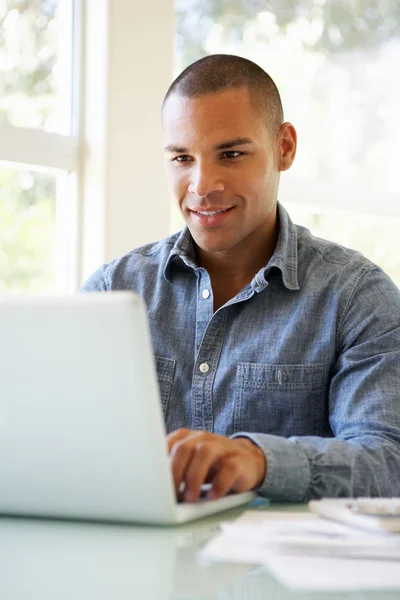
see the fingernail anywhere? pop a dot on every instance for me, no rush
(189, 497)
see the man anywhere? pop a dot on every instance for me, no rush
(278, 353)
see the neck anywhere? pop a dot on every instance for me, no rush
(242, 262)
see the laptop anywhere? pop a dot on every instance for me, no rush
(81, 427)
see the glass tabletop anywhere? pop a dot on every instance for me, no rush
(64, 559)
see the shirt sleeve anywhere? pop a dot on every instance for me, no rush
(363, 457)
(97, 282)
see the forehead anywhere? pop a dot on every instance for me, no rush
(230, 113)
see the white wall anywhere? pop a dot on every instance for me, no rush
(128, 67)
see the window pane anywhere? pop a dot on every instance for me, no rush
(337, 70)
(27, 231)
(35, 64)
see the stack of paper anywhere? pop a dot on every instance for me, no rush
(306, 552)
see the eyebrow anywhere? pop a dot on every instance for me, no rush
(240, 141)
(176, 149)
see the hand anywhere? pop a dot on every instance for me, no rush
(199, 457)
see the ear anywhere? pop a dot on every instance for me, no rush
(287, 140)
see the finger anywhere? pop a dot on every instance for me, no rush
(204, 456)
(212, 471)
(180, 457)
(176, 436)
(229, 477)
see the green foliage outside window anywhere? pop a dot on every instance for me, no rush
(27, 216)
(336, 65)
(28, 98)
(343, 25)
(28, 61)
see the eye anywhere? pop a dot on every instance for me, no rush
(181, 158)
(231, 154)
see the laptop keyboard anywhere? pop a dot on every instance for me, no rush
(203, 493)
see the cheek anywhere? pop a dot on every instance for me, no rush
(252, 187)
(264, 180)
(253, 177)
(177, 180)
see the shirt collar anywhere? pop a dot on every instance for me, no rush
(284, 257)
(183, 253)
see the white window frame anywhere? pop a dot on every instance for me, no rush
(320, 196)
(38, 148)
(117, 195)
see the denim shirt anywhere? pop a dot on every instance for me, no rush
(305, 360)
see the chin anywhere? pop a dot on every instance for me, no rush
(211, 246)
(212, 241)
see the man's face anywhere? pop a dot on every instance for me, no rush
(223, 167)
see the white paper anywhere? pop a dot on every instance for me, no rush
(309, 552)
(334, 574)
(314, 537)
(262, 516)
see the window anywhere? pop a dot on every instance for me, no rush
(336, 66)
(38, 147)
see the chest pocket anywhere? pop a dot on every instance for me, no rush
(282, 400)
(165, 373)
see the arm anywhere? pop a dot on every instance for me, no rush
(97, 282)
(363, 459)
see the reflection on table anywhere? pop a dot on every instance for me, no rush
(42, 559)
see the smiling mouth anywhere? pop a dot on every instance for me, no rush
(210, 213)
(211, 218)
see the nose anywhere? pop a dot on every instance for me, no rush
(205, 180)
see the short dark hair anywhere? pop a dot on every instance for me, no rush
(219, 72)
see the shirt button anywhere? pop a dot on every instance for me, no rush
(206, 294)
(204, 368)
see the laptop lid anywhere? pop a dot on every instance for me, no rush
(81, 428)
